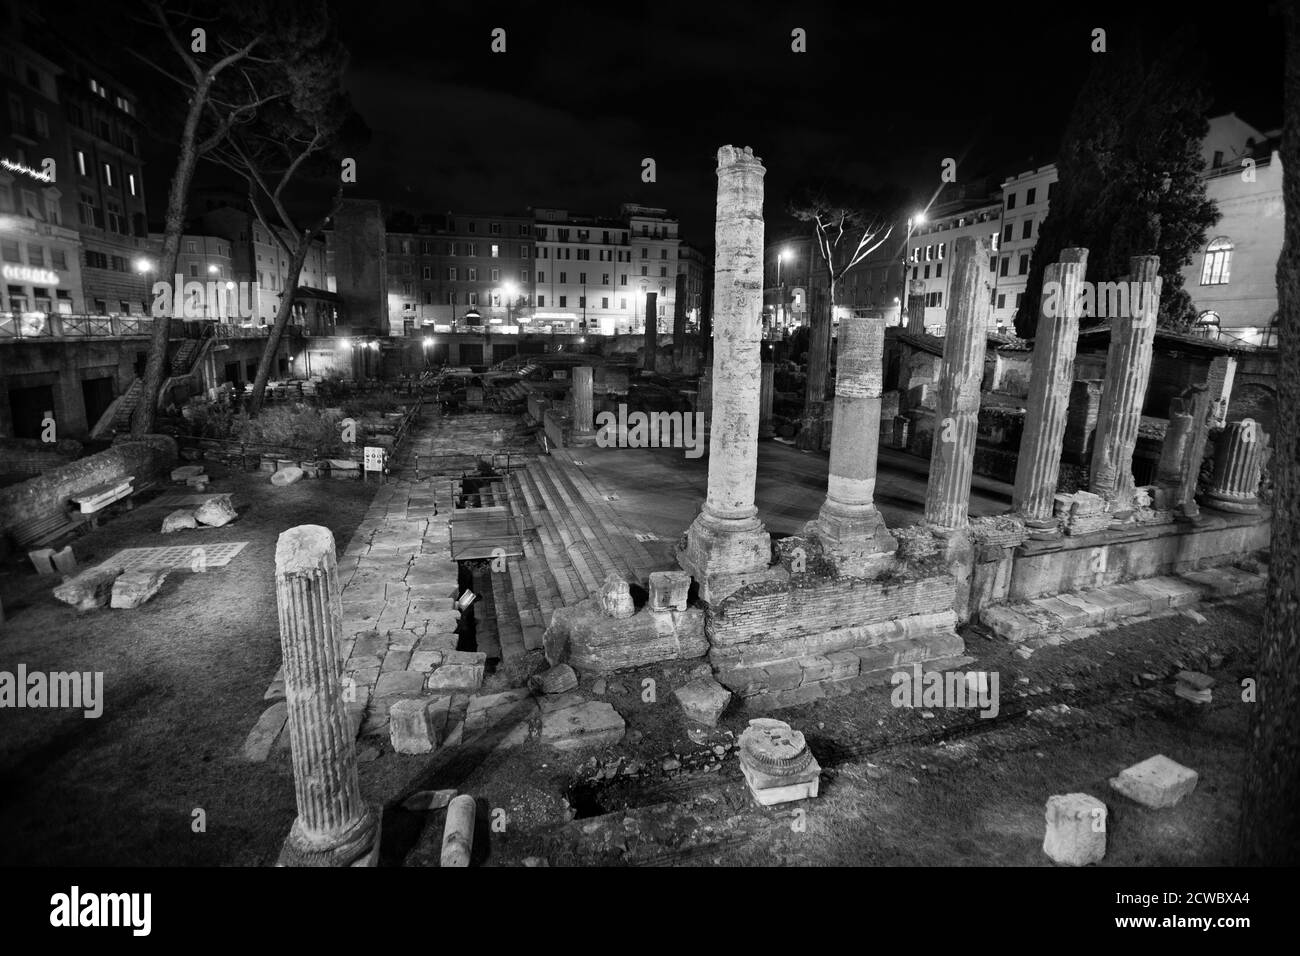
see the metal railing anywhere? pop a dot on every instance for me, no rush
(65, 325)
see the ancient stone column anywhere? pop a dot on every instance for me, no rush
(705, 399)
(1238, 460)
(334, 827)
(1198, 406)
(765, 401)
(819, 360)
(1051, 376)
(1223, 372)
(679, 321)
(956, 415)
(1173, 452)
(1128, 367)
(584, 408)
(850, 527)
(727, 547)
(916, 306)
(651, 330)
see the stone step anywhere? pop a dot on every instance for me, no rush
(598, 557)
(584, 486)
(510, 635)
(553, 513)
(601, 523)
(485, 617)
(554, 547)
(1020, 622)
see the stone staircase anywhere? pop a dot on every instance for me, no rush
(118, 414)
(183, 360)
(1047, 620)
(572, 539)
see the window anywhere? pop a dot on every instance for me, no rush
(194, 270)
(471, 248)
(426, 273)
(645, 271)
(604, 278)
(564, 277)
(1029, 197)
(938, 270)
(523, 275)
(663, 253)
(108, 174)
(191, 247)
(494, 228)
(1005, 265)
(564, 301)
(1027, 229)
(428, 298)
(1011, 200)
(622, 303)
(582, 301)
(916, 272)
(523, 252)
(471, 227)
(929, 254)
(451, 274)
(471, 275)
(622, 280)
(496, 275)
(1024, 264)
(41, 123)
(496, 251)
(541, 301)
(1006, 232)
(927, 272)
(541, 277)
(81, 161)
(60, 258)
(1002, 301)
(523, 229)
(1218, 260)
(943, 247)
(96, 260)
(582, 278)
(472, 298)
(1050, 187)
(604, 302)
(663, 271)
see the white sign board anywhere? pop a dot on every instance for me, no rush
(374, 460)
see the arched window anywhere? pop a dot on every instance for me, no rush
(1218, 259)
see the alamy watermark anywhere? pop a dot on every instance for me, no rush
(961, 689)
(1103, 300)
(651, 430)
(58, 689)
(203, 300)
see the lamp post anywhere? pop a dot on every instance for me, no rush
(510, 290)
(912, 222)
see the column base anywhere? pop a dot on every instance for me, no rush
(1233, 504)
(358, 847)
(582, 439)
(1043, 530)
(859, 545)
(725, 555)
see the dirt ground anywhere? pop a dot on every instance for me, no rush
(185, 674)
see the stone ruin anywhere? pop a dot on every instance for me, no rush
(847, 602)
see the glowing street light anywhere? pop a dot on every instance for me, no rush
(916, 219)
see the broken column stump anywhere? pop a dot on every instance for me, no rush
(334, 826)
(776, 762)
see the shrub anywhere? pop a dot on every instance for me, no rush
(293, 426)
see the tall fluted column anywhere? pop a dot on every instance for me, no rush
(651, 330)
(1238, 460)
(916, 306)
(956, 416)
(584, 406)
(1052, 372)
(819, 360)
(334, 826)
(705, 399)
(1128, 368)
(850, 527)
(727, 547)
(765, 400)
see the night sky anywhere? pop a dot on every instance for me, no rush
(585, 91)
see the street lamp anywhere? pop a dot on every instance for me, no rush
(780, 289)
(912, 223)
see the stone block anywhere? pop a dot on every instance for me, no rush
(557, 680)
(669, 590)
(90, 589)
(594, 723)
(1076, 829)
(615, 597)
(403, 683)
(286, 476)
(416, 726)
(1009, 624)
(449, 676)
(490, 709)
(425, 661)
(65, 562)
(185, 472)
(42, 560)
(1156, 782)
(703, 700)
(133, 588)
(179, 520)
(216, 512)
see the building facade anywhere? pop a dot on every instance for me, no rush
(1025, 200)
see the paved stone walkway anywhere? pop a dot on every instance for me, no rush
(399, 583)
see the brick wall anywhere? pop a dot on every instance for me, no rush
(49, 493)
